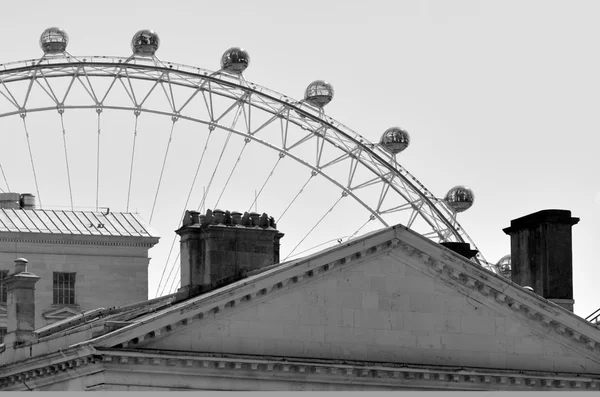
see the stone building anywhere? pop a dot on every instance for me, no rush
(84, 259)
(390, 310)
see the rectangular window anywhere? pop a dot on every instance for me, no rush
(64, 288)
(2, 334)
(3, 289)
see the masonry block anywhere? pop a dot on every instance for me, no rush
(478, 325)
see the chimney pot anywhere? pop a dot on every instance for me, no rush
(219, 216)
(20, 265)
(195, 217)
(254, 218)
(236, 218)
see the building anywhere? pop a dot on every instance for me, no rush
(390, 310)
(84, 259)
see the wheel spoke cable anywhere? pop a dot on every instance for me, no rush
(339, 241)
(163, 167)
(315, 226)
(281, 155)
(135, 131)
(64, 136)
(4, 176)
(182, 215)
(297, 195)
(99, 111)
(231, 173)
(170, 291)
(372, 217)
(205, 194)
(23, 115)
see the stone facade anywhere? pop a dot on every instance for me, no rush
(389, 311)
(110, 270)
(383, 310)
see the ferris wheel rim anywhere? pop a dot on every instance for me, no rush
(304, 110)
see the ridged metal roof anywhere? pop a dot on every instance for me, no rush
(87, 223)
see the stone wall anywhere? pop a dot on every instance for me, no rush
(384, 311)
(106, 275)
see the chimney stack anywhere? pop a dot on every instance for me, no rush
(542, 254)
(222, 247)
(20, 305)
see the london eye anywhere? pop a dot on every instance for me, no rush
(140, 134)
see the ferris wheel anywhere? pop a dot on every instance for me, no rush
(138, 134)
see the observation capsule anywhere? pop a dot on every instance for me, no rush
(395, 139)
(54, 41)
(145, 42)
(319, 93)
(460, 198)
(235, 60)
(503, 266)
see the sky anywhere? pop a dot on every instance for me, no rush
(498, 96)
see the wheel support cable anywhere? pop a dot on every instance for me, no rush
(162, 170)
(182, 215)
(23, 115)
(232, 171)
(297, 195)
(99, 111)
(135, 130)
(4, 176)
(360, 228)
(64, 136)
(212, 177)
(170, 291)
(315, 226)
(338, 239)
(281, 155)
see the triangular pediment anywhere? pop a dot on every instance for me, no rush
(390, 297)
(55, 314)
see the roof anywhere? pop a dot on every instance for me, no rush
(118, 327)
(87, 223)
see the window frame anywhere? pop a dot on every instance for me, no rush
(63, 288)
(3, 287)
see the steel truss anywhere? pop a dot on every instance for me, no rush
(398, 189)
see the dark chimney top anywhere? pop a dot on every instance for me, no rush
(463, 249)
(542, 254)
(221, 247)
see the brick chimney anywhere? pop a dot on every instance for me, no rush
(221, 247)
(542, 254)
(20, 305)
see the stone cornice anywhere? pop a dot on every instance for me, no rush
(42, 240)
(319, 370)
(48, 374)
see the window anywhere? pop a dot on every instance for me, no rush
(3, 289)
(2, 334)
(64, 288)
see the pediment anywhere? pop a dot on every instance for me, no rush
(390, 297)
(59, 313)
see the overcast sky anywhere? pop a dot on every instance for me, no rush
(499, 96)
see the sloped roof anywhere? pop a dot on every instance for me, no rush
(88, 223)
(160, 318)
